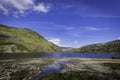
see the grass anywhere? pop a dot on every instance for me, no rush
(25, 40)
(81, 75)
(113, 65)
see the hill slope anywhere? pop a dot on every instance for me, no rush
(23, 40)
(109, 47)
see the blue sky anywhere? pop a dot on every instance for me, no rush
(71, 23)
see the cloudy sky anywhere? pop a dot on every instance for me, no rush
(71, 23)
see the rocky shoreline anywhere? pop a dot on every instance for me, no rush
(27, 69)
(21, 69)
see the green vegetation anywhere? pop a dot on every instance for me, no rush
(18, 75)
(23, 41)
(109, 47)
(113, 66)
(81, 75)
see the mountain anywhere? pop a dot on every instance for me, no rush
(15, 40)
(109, 47)
(65, 48)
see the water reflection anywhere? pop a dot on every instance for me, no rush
(55, 67)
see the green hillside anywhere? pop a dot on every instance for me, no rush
(109, 47)
(23, 41)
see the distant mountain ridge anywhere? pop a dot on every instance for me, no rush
(108, 47)
(16, 40)
(65, 48)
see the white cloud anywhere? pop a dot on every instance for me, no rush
(5, 11)
(118, 38)
(21, 7)
(69, 28)
(75, 41)
(92, 28)
(95, 28)
(55, 41)
(21, 4)
(41, 8)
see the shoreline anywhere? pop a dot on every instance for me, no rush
(13, 69)
(104, 60)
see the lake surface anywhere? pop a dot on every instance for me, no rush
(57, 55)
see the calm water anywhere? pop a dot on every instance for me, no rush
(55, 68)
(81, 55)
(57, 55)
